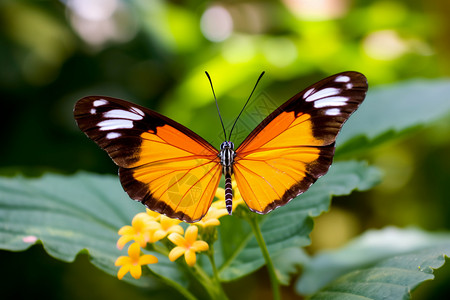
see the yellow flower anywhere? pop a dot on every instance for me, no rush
(168, 225)
(133, 262)
(155, 215)
(212, 217)
(187, 245)
(140, 230)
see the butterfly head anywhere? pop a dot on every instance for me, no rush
(227, 145)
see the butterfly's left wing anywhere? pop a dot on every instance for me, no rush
(162, 164)
(294, 145)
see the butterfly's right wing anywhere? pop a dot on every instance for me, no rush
(163, 164)
(285, 154)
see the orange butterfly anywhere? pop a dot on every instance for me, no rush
(173, 171)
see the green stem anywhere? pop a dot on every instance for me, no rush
(216, 273)
(270, 268)
(175, 285)
(214, 289)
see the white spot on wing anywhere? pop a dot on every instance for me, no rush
(112, 135)
(122, 114)
(349, 86)
(138, 111)
(327, 92)
(100, 102)
(308, 92)
(331, 101)
(342, 78)
(333, 112)
(115, 124)
(92, 111)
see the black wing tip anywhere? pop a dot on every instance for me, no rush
(354, 74)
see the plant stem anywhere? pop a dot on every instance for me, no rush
(175, 285)
(214, 289)
(270, 268)
(215, 272)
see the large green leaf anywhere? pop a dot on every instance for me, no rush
(69, 214)
(83, 212)
(384, 264)
(288, 226)
(391, 110)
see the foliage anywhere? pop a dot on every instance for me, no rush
(380, 263)
(69, 214)
(83, 212)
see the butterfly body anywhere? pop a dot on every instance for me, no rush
(174, 171)
(227, 155)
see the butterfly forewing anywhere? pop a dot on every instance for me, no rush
(294, 145)
(163, 164)
(174, 171)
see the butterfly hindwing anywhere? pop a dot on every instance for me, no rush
(175, 172)
(162, 164)
(294, 145)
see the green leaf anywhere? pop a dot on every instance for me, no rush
(287, 263)
(289, 226)
(70, 214)
(383, 264)
(389, 111)
(83, 212)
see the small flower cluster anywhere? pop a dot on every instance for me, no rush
(150, 227)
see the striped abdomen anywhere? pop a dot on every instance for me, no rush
(228, 194)
(227, 155)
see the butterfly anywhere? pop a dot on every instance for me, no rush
(174, 171)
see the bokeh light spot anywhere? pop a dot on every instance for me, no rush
(384, 45)
(280, 52)
(317, 10)
(94, 10)
(100, 21)
(216, 24)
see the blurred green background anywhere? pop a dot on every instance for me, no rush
(155, 53)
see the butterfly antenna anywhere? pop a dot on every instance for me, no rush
(257, 81)
(217, 105)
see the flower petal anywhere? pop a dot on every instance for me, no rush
(190, 258)
(122, 271)
(136, 271)
(134, 251)
(123, 240)
(238, 201)
(126, 230)
(153, 214)
(220, 195)
(152, 225)
(176, 252)
(157, 235)
(122, 260)
(191, 234)
(176, 239)
(141, 239)
(198, 246)
(139, 219)
(176, 228)
(211, 222)
(167, 222)
(147, 259)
